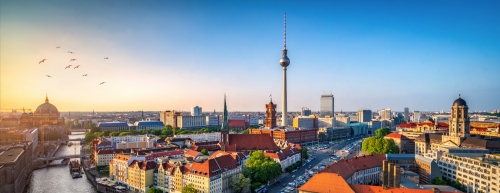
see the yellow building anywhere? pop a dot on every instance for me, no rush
(210, 176)
(118, 167)
(141, 175)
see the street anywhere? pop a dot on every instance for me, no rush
(320, 156)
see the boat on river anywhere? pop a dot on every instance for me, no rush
(74, 169)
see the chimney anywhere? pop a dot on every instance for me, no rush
(390, 177)
(384, 172)
(397, 176)
(436, 190)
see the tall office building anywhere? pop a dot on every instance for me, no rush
(305, 111)
(196, 111)
(416, 116)
(385, 114)
(364, 115)
(326, 105)
(407, 114)
(284, 62)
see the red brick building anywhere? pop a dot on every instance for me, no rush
(290, 135)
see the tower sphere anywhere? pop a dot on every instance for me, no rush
(284, 61)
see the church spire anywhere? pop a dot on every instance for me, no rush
(46, 98)
(224, 116)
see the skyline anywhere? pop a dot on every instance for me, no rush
(176, 55)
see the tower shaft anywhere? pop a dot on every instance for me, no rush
(284, 116)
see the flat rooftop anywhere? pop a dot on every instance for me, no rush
(10, 156)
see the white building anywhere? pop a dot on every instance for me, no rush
(416, 116)
(286, 157)
(131, 138)
(196, 111)
(187, 122)
(212, 121)
(385, 114)
(201, 137)
(326, 122)
(478, 174)
(342, 120)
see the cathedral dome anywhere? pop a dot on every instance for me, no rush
(459, 102)
(46, 109)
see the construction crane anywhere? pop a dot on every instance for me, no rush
(15, 110)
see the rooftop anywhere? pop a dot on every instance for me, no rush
(326, 182)
(11, 155)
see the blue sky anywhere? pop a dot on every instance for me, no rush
(178, 54)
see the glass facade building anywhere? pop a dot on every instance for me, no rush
(326, 105)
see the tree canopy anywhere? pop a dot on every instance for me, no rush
(260, 168)
(189, 189)
(240, 184)
(154, 190)
(378, 144)
(204, 151)
(439, 181)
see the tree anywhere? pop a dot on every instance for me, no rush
(246, 131)
(382, 132)
(189, 189)
(378, 144)
(115, 133)
(89, 137)
(439, 181)
(204, 151)
(106, 133)
(154, 190)
(261, 168)
(239, 183)
(255, 185)
(303, 153)
(125, 133)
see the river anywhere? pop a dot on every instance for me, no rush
(56, 179)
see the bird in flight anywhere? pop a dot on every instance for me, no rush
(42, 61)
(72, 60)
(69, 66)
(49, 76)
(106, 58)
(76, 67)
(85, 75)
(58, 47)
(102, 83)
(70, 52)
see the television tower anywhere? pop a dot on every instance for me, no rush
(284, 62)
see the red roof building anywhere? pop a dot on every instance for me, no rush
(249, 142)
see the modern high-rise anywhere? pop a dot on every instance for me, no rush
(326, 105)
(407, 114)
(196, 111)
(385, 114)
(364, 115)
(284, 62)
(416, 116)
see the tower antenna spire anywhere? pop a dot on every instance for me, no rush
(285, 31)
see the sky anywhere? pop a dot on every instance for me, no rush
(173, 55)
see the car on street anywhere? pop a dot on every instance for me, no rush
(293, 176)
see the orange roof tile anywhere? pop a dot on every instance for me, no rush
(347, 167)
(379, 189)
(326, 182)
(396, 135)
